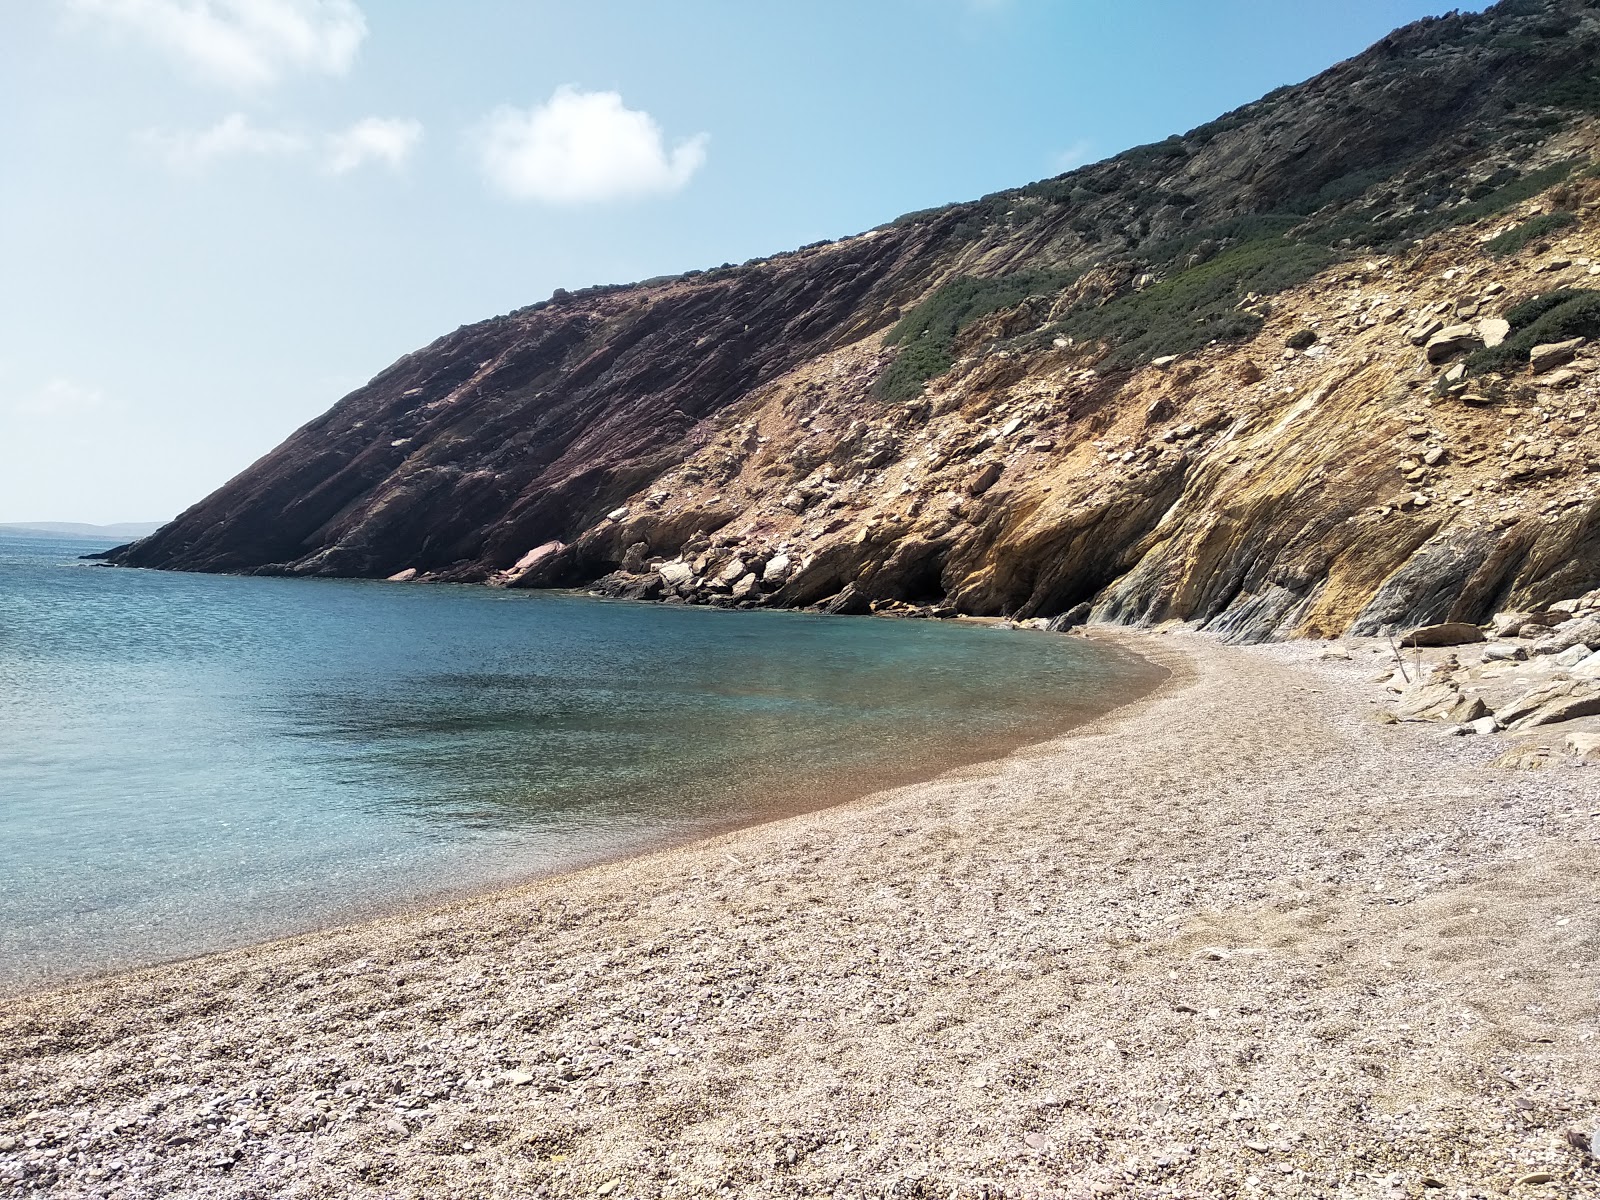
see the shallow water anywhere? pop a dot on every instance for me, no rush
(189, 762)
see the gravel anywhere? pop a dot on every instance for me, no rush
(1237, 939)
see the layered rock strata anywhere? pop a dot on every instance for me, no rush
(724, 437)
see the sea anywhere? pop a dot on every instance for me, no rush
(194, 762)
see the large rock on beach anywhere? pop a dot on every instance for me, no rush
(1448, 633)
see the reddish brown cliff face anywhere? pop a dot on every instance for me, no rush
(736, 415)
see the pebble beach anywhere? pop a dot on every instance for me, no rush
(1238, 938)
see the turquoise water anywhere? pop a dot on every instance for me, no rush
(189, 762)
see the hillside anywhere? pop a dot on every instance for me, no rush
(1270, 375)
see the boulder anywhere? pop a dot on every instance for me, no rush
(1560, 700)
(1508, 624)
(1553, 354)
(1585, 747)
(984, 479)
(1420, 333)
(1468, 709)
(777, 569)
(675, 573)
(618, 514)
(1448, 633)
(1571, 656)
(530, 561)
(1589, 668)
(1504, 652)
(1584, 631)
(633, 558)
(1494, 331)
(733, 572)
(851, 602)
(1450, 341)
(1427, 701)
(1483, 726)
(1524, 758)
(745, 588)
(405, 576)
(1077, 615)
(644, 587)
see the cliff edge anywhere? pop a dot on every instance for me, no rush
(1321, 365)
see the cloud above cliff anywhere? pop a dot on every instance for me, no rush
(238, 43)
(386, 141)
(583, 147)
(381, 141)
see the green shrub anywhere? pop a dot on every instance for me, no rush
(928, 332)
(1529, 311)
(1553, 317)
(1196, 306)
(1513, 240)
(924, 359)
(1380, 234)
(1581, 93)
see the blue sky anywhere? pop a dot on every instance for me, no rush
(218, 216)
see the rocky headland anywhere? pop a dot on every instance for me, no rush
(1320, 366)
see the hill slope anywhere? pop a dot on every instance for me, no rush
(961, 408)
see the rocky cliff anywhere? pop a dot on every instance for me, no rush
(1277, 375)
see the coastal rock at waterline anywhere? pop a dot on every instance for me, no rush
(1559, 700)
(675, 574)
(852, 602)
(1077, 615)
(747, 587)
(634, 557)
(1552, 355)
(1447, 633)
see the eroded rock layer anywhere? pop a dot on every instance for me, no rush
(1320, 447)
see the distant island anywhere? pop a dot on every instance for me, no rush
(77, 529)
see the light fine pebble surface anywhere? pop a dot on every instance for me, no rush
(1239, 938)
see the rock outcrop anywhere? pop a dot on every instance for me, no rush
(1331, 454)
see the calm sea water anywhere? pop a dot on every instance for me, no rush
(189, 762)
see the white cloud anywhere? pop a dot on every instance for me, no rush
(241, 43)
(581, 147)
(386, 140)
(59, 398)
(234, 136)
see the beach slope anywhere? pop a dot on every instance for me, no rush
(1239, 938)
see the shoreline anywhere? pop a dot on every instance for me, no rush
(1232, 938)
(826, 790)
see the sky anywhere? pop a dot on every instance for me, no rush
(217, 217)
